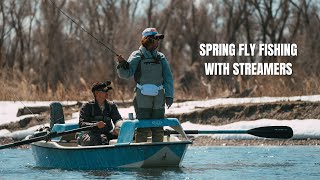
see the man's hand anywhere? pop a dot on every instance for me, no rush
(122, 63)
(116, 131)
(101, 124)
(169, 101)
(120, 58)
(117, 127)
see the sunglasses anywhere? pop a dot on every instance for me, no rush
(103, 91)
(154, 38)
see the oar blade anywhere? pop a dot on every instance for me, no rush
(282, 132)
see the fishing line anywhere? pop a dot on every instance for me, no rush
(11, 93)
(29, 111)
(83, 28)
(24, 106)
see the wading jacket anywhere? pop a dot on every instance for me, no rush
(91, 113)
(134, 62)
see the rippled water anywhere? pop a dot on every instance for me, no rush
(285, 162)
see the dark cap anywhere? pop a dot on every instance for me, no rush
(101, 86)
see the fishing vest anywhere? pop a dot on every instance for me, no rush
(106, 117)
(149, 70)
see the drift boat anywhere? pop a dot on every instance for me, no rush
(65, 153)
(58, 148)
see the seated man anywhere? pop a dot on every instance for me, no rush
(101, 113)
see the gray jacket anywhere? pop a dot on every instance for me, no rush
(133, 61)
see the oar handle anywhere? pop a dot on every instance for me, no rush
(210, 132)
(58, 134)
(46, 137)
(28, 141)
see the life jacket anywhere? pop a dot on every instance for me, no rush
(105, 115)
(107, 107)
(149, 70)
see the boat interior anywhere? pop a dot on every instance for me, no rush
(70, 140)
(126, 134)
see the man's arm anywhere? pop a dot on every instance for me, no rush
(116, 118)
(167, 80)
(114, 113)
(133, 62)
(85, 119)
(167, 77)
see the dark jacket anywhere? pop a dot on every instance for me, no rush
(90, 114)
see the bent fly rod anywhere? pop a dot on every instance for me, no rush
(98, 41)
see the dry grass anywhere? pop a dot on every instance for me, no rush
(22, 89)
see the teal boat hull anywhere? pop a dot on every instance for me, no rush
(165, 154)
(62, 153)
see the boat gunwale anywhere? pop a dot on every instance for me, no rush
(56, 145)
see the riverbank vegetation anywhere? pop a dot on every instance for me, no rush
(44, 56)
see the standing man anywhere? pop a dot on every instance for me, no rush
(101, 113)
(153, 76)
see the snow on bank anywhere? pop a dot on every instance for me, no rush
(309, 128)
(302, 129)
(9, 109)
(190, 106)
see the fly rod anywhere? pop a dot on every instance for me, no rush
(100, 42)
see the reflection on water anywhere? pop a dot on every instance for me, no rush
(146, 173)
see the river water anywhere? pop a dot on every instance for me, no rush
(261, 162)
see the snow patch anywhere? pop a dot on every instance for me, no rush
(307, 128)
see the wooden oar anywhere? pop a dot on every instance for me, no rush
(46, 137)
(283, 132)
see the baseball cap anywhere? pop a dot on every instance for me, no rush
(101, 86)
(152, 32)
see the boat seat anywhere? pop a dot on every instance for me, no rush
(128, 128)
(68, 137)
(56, 114)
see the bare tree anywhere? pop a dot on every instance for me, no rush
(41, 46)
(272, 17)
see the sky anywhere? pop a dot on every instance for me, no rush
(303, 129)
